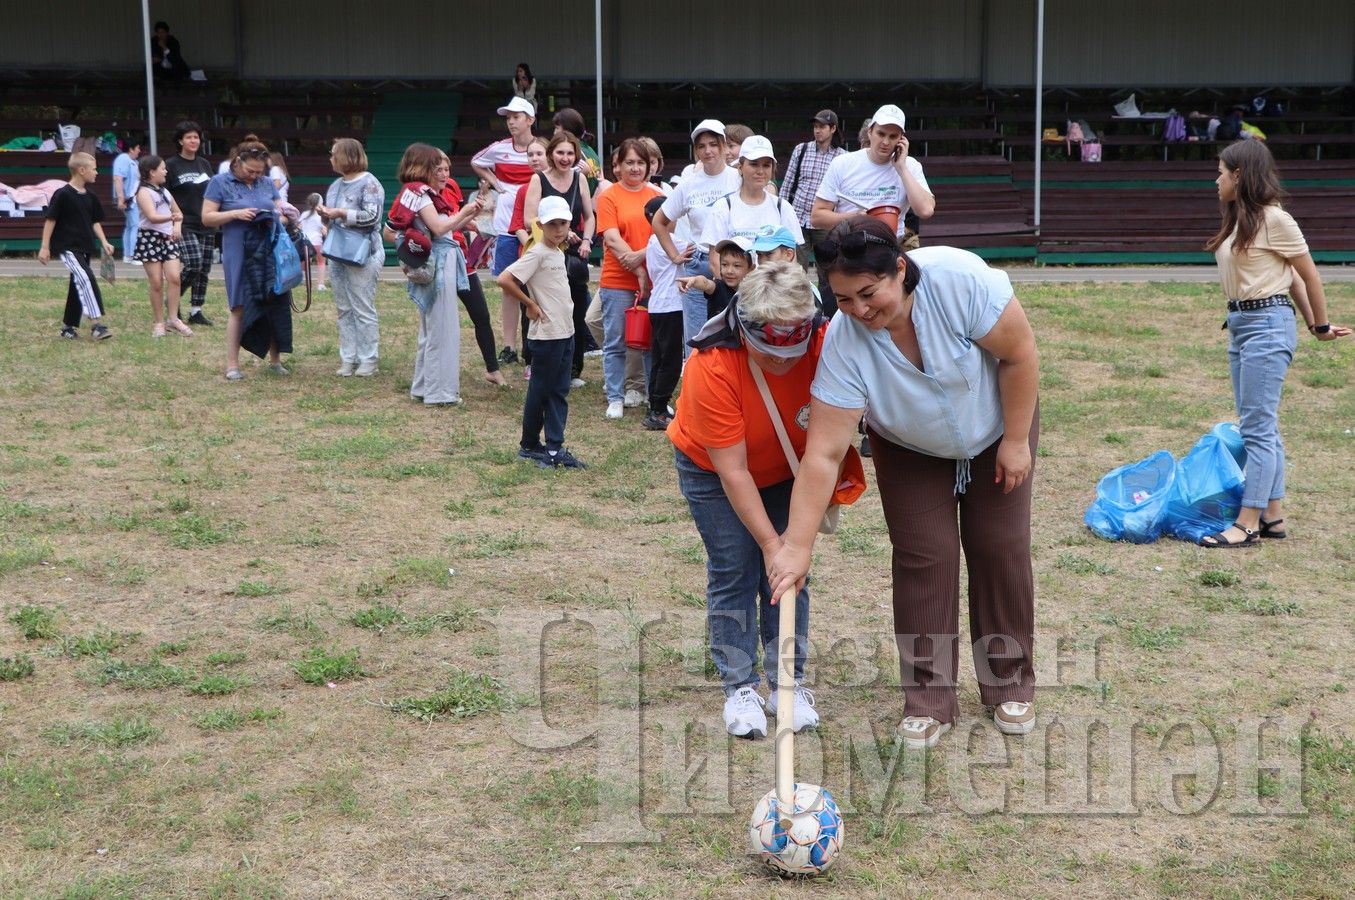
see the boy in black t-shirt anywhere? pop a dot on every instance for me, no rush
(73, 222)
(736, 261)
(186, 177)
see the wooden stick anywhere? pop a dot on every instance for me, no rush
(785, 708)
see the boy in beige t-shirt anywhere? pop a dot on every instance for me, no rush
(538, 281)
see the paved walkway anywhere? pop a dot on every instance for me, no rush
(28, 267)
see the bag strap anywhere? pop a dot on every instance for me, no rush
(777, 424)
(803, 150)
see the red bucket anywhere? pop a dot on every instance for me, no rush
(887, 214)
(638, 332)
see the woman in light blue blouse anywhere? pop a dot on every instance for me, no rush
(937, 353)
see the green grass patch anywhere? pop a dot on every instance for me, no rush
(117, 733)
(147, 676)
(12, 668)
(1156, 639)
(224, 659)
(1081, 565)
(218, 685)
(319, 666)
(370, 445)
(249, 588)
(23, 553)
(401, 471)
(457, 617)
(1219, 578)
(491, 546)
(233, 719)
(465, 695)
(378, 617)
(36, 623)
(100, 643)
(299, 623)
(194, 530)
(171, 648)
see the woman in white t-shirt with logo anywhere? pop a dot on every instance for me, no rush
(708, 182)
(881, 179)
(754, 211)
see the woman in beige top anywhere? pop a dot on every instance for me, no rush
(1261, 255)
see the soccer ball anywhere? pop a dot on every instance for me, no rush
(813, 841)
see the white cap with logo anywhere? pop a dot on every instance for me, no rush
(889, 114)
(757, 147)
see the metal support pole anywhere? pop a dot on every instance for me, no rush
(1039, 106)
(597, 84)
(150, 75)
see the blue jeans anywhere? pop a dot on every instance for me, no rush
(615, 302)
(547, 393)
(694, 301)
(506, 252)
(130, 223)
(1261, 346)
(737, 611)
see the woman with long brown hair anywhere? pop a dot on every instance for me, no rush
(1262, 259)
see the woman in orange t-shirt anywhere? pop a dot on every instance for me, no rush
(625, 232)
(736, 478)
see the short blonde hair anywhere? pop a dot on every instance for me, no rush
(79, 161)
(776, 291)
(350, 156)
(655, 154)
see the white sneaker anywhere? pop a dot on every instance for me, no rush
(593, 354)
(577, 383)
(921, 732)
(634, 399)
(806, 716)
(1014, 717)
(345, 370)
(366, 369)
(743, 714)
(614, 410)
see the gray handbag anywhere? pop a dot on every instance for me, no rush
(347, 245)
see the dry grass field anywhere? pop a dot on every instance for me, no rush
(302, 637)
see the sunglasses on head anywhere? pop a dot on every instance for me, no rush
(253, 154)
(852, 245)
(782, 335)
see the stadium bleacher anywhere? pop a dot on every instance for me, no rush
(1147, 201)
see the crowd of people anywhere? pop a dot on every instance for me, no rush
(760, 388)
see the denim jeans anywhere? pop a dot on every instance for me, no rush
(1261, 346)
(547, 393)
(738, 614)
(130, 223)
(693, 302)
(615, 302)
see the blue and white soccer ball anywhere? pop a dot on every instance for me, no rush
(813, 841)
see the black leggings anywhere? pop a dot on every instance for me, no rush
(579, 294)
(474, 301)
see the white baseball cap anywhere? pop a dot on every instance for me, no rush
(714, 126)
(757, 147)
(889, 114)
(518, 104)
(738, 242)
(553, 209)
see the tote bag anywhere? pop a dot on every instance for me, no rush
(347, 245)
(286, 261)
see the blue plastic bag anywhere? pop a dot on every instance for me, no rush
(286, 261)
(1208, 491)
(1131, 500)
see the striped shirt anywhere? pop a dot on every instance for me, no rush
(808, 164)
(510, 168)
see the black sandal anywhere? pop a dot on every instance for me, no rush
(1217, 541)
(1273, 530)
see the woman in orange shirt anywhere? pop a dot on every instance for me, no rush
(625, 232)
(737, 478)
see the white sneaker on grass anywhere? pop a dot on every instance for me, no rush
(743, 714)
(614, 410)
(921, 732)
(806, 716)
(634, 399)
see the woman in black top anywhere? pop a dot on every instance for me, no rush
(562, 179)
(188, 174)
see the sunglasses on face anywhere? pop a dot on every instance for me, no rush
(782, 335)
(852, 245)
